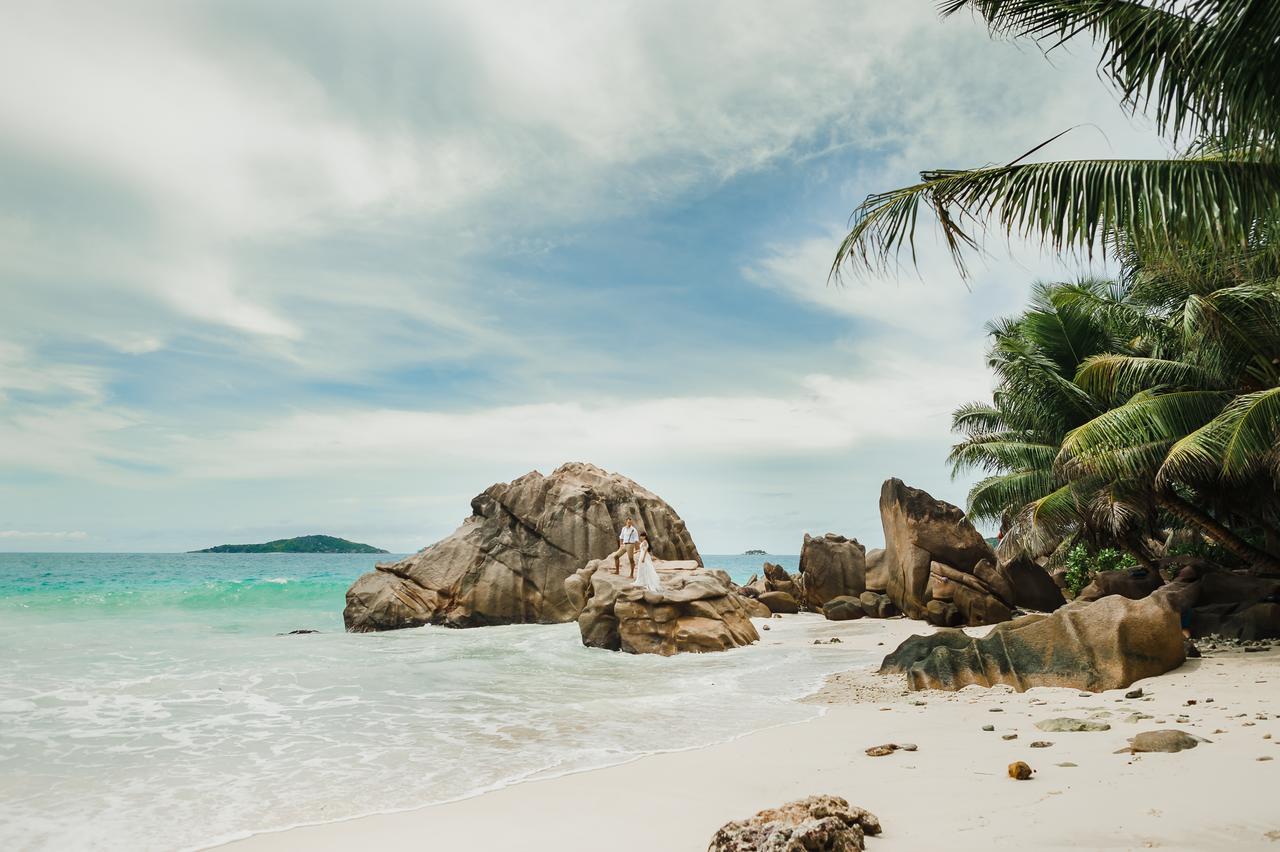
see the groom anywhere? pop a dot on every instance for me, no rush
(629, 538)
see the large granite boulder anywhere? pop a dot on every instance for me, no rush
(695, 611)
(508, 562)
(815, 824)
(932, 552)
(776, 579)
(1219, 602)
(877, 574)
(843, 608)
(831, 566)
(1033, 587)
(1133, 583)
(1105, 644)
(781, 603)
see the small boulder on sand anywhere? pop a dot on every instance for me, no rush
(780, 602)
(1068, 725)
(827, 823)
(1165, 741)
(1020, 771)
(843, 608)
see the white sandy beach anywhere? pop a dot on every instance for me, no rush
(953, 792)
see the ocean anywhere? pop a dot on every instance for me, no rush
(150, 701)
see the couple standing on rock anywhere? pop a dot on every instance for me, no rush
(632, 540)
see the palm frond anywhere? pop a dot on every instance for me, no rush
(1200, 66)
(1068, 206)
(1114, 377)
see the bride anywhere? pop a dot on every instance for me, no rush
(647, 574)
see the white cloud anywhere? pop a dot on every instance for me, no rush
(76, 535)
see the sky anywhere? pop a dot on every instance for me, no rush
(273, 269)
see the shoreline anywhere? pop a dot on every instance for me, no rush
(948, 792)
(795, 631)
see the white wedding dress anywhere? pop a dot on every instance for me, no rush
(647, 574)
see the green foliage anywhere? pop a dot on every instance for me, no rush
(1206, 71)
(1083, 565)
(300, 544)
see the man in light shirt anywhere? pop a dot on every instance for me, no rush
(629, 538)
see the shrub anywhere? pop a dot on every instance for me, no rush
(1083, 565)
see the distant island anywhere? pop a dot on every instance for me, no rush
(301, 544)
(755, 553)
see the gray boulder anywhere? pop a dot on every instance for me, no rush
(831, 566)
(932, 552)
(508, 562)
(695, 612)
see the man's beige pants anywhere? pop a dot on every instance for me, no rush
(630, 550)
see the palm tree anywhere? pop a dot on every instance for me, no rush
(1017, 437)
(1204, 426)
(1207, 71)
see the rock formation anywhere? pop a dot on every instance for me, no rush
(831, 566)
(877, 576)
(843, 608)
(818, 823)
(1106, 644)
(1218, 602)
(1033, 588)
(696, 611)
(932, 552)
(508, 562)
(780, 602)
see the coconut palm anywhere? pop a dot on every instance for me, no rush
(1203, 427)
(1206, 71)
(1016, 438)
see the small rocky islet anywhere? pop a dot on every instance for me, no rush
(538, 550)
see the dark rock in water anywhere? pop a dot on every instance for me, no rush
(780, 602)
(508, 562)
(297, 632)
(1163, 741)
(695, 612)
(818, 823)
(1106, 644)
(932, 552)
(842, 608)
(831, 566)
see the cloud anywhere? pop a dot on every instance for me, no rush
(61, 535)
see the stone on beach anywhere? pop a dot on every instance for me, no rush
(831, 566)
(1105, 644)
(1163, 741)
(818, 823)
(1065, 724)
(780, 602)
(1020, 771)
(508, 562)
(695, 612)
(843, 608)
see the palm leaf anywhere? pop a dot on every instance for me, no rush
(1068, 206)
(1200, 66)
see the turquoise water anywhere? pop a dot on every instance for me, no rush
(148, 701)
